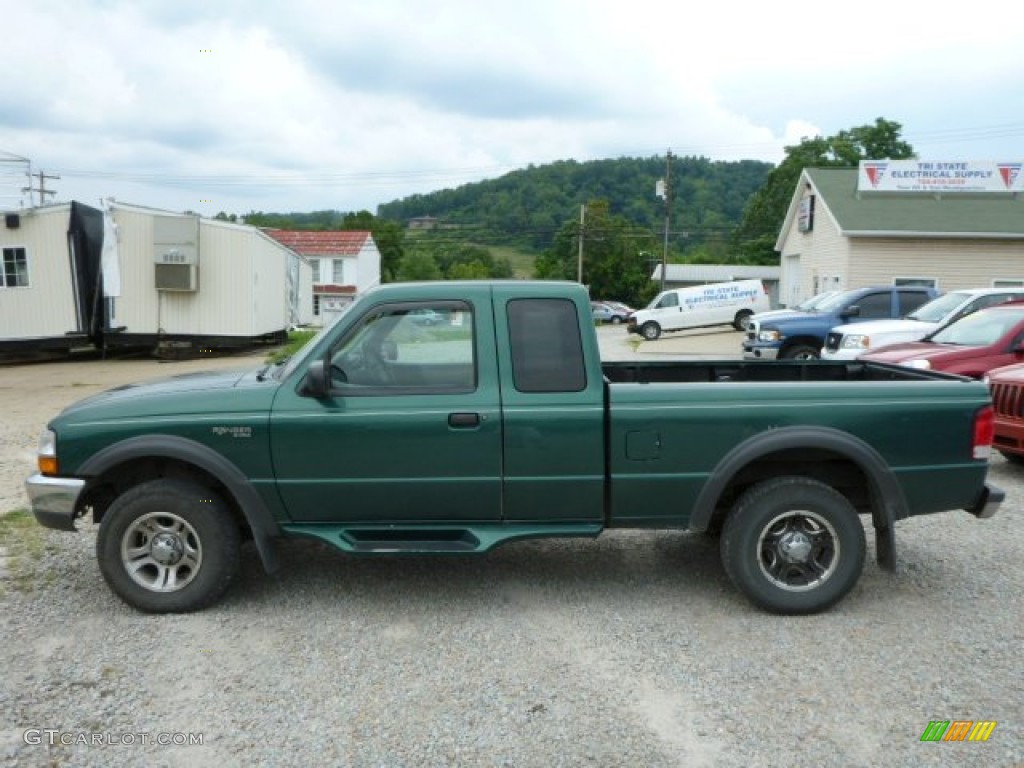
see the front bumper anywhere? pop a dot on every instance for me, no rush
(988, 502)
(841, 354)
(53, 500)
(756, 352)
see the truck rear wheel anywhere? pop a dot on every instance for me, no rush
(650, 330)
(168, 546)
(793, 545)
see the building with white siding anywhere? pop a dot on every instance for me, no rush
(130, 276)
(838, 235)
(346, 263)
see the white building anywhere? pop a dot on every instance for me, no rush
(948, 226)
(345, 264)
(130, 276)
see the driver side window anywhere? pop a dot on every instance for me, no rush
(407, 349)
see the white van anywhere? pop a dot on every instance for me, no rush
(700, 306)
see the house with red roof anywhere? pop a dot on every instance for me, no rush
(345, 265)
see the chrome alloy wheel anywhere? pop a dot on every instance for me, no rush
(161, 552)
(798, 550)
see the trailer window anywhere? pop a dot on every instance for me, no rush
(547, 351)
(15, 268)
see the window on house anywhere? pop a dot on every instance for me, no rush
(338, 273)
(1007, 283)
(316, 305)
(316, 270)
(927, 282)
(15, 268)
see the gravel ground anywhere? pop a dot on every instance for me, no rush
(630, 650)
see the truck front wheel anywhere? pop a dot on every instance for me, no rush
(650, 330)
(793, 545)
(168, 546)
(800, 352)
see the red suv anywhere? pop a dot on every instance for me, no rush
(970, 346)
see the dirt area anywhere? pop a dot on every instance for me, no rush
(33, 394)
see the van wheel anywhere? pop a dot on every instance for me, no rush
(742, 320)
(800, 352)
(793, 545)
(650, 331)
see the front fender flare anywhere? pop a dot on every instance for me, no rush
(887, 501)
(263, 525)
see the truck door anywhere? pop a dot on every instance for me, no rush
(411, 428)
(552, 395)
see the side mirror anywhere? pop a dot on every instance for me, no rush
(852, 311)
(316, 383)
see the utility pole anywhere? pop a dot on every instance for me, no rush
(579, 256)
(668, 214)
(43, 191)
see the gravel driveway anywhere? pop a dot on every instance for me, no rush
(631, 650)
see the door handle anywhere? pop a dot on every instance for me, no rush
(463, 420)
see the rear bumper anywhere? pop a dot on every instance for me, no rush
(54, 499)
(988, 502)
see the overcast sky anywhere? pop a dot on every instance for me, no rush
(311, 105)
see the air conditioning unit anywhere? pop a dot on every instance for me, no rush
(177, 277)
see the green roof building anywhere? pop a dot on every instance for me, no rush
(837, 234)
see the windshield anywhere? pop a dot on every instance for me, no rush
(980, 329)
(835, 301)
(812, 303)
(295, 360)
(936, 309)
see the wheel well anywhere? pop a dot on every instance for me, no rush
(826, 466)
(801, 341)
(103, 489)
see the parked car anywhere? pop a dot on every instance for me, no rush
(606, 312)
(801, 335)
(846, 342)
(1007, 387)
(971, 346)
(425, 317)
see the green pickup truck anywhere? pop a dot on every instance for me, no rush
(450, 418)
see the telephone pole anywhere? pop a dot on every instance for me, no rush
(579, 256)
(668, 214)
(43, 191)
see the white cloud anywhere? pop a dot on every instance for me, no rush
(306, 105)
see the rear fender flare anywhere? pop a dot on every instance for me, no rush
(887, 501)
(263, 525)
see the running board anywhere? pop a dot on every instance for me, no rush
(435, 539)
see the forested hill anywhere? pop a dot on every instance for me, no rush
(529, 206)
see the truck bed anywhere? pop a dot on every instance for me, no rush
(680, 371)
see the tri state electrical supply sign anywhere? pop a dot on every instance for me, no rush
(922, 176)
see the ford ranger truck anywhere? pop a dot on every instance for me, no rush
(499, 422)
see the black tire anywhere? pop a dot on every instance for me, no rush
(793, 545)
(1013, 458)
(742, 320)
(168, 546)
(650, 330)
(800, 352)
(616, 320)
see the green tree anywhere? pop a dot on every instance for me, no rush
(419, 266)
(615, 259)
(754, 239)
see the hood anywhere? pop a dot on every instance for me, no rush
(921, 350)
(1008, 374)
(877, 327)
(777, 316)
(219, 391)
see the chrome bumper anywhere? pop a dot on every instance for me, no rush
(988, 502)
(53, 500)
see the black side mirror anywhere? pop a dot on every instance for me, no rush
(316, 383)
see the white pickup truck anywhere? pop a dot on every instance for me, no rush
(846, 342)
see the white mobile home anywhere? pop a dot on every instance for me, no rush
(152, 279)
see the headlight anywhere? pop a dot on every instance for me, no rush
(46, 456)
(923, 365)
(769, 336)
(856, 341)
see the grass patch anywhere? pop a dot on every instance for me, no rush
(22, 544)
(296, 341)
